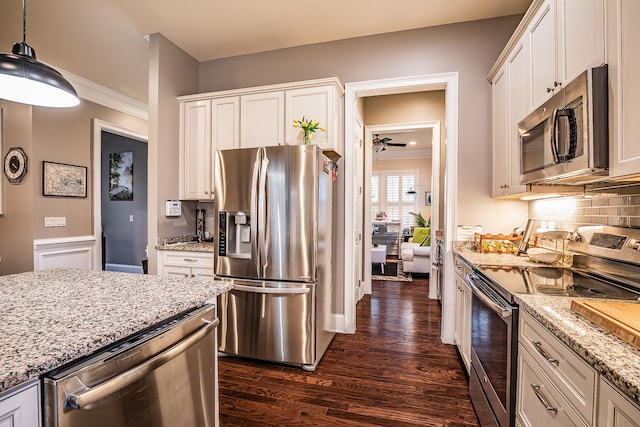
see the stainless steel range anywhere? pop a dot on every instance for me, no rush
(606, 265)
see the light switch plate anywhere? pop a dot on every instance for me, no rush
(55, 221)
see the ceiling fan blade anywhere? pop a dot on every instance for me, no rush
(385, 140)
(395, 144)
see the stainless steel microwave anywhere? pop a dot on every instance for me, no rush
(566, 139)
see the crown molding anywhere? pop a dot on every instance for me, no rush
(102, 95)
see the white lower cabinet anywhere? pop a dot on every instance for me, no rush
(462, 330)
(21, 408)
(185, 264)
(615, 409)
(549, 369)
(539, 403)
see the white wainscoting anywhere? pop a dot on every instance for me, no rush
(74, 252)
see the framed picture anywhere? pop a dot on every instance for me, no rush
(427, 198)
(62, 180)
(121, 176)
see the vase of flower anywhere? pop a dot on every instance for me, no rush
(307, 128)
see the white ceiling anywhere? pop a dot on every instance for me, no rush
(102, 40)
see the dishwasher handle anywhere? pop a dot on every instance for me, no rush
(94, 394)
(261, 290)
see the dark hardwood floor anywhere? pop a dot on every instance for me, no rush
(393, 371)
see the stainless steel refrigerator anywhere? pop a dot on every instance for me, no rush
(274, 239)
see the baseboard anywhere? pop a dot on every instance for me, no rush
(123, 268)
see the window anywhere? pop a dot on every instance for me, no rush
(392, 198)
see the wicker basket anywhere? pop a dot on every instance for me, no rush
(497, 243)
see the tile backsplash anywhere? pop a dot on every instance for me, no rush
(620, 210)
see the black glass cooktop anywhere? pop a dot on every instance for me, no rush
(556, 281)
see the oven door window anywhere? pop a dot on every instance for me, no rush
(490, 339)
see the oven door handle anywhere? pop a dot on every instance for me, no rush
(88, 396)
(494, 306)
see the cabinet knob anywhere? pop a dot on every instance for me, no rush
(206, 191)
(549, 89)
(556, 84)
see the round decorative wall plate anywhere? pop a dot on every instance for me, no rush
(16, 165)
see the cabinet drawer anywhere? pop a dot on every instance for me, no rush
(539, 403)
(187, 259)
(571, 375)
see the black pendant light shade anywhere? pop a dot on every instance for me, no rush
(26, 80)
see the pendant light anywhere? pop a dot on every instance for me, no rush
(26, 80)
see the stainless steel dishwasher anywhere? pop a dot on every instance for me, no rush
(163, 376)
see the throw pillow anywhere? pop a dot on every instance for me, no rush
(427, 240)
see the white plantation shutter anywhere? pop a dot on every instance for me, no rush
(375, 194)
(392, 198)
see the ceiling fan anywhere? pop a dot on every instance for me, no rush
(380, 144)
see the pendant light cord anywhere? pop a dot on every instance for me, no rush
(24, 21)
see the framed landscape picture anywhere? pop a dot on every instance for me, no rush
(62, 180)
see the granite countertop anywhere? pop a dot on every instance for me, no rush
(187, 246)
(53, 317)
(613, 358)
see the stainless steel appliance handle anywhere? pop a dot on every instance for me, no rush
(538, 346)
(255, 176)
(494, 306)
(554, 140)
(261, 290)
(262, 213)
(94, 394)
(541, 397)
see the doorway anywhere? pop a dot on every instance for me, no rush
(353, 91)
(420, 160)
(120, 159)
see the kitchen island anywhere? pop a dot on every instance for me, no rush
(53, 317)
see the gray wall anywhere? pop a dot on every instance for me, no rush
(469, 48)
(172, 73)
(55, 135)
(125, 241)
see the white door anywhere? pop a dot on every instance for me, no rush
(358, 270)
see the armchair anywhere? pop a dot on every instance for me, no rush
(416, 258)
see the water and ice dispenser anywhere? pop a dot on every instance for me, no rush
(234, 237)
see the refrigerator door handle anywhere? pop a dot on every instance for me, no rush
(261, 290)
(262, 212)
(255, 176)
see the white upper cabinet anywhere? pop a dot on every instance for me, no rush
(566, 38)
(253, 117)
(542, 39)
(262, 119)
(500, 105)
(196, 161)
(510, 105)
(322, 104)
(581, 36)
(624, 95)
(226, 123)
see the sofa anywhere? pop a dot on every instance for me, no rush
(416, 253)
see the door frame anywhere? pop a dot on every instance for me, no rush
(98, 127)
(370, 131)
(443, 81)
